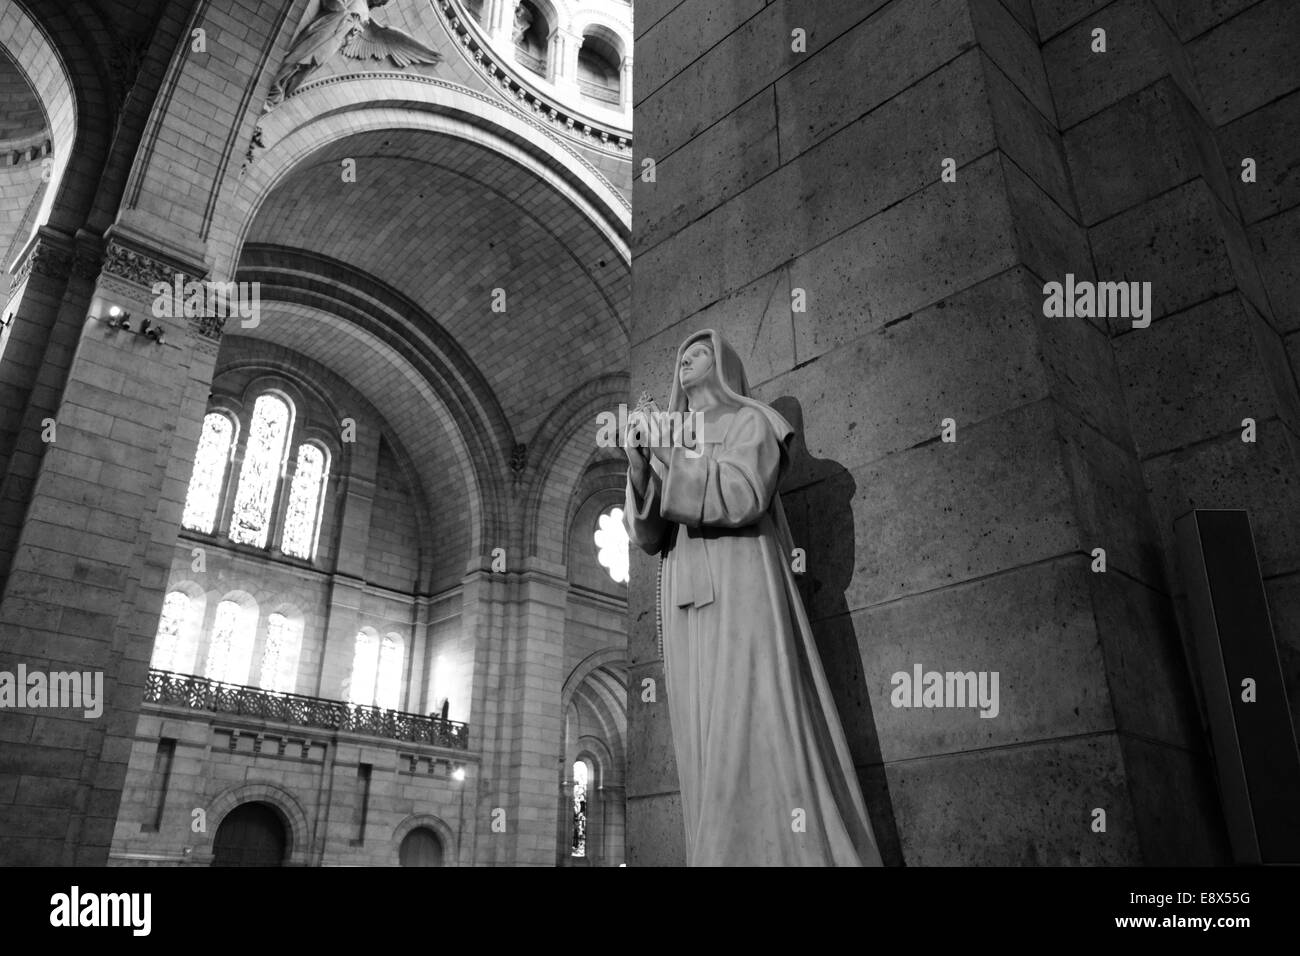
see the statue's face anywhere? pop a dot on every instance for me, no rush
(697, 361)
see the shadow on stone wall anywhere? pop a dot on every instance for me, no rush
(819, 507)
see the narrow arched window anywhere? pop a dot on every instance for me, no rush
(231, 650)
(388, 692)
(263, 459)
(203, 499)
(306, 496)
(280, 656)
(361, 690)
(580, 785)
(167, 644)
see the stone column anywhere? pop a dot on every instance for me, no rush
(347, 587)
(887, 234)
(614, 800)
(109, 473)
(517, 618)
(625, 85)
(563, 66)
(499, 20)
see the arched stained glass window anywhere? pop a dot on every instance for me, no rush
(365, 658)
(388, 693)
(203, 499)
(167, 644)
(263, 455)
(306, 493)
(231, 651)
(280, 656)
(580, 783)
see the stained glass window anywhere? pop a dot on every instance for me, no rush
(203, 499)
(305, 495)
(231, 651)
(280, 656)
(263, 455)
(389, 692)
(364, 666)
(167, 645)
(580, 808)
(611, 544)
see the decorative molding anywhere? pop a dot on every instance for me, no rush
(140, 267)
(518, 461)
(30, 149)
(44, 258)
(569, 122)
(255, 143)
(544, 129)
(209, 327)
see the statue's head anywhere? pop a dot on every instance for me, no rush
(705, 359)
(696, 364)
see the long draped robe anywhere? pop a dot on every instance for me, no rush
(765, 772)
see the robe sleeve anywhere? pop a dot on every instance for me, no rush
(731, 489)
(645, 526)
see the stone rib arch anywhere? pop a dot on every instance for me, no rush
(73, 103)
(566, 444)
(381, 321)
(342, 106)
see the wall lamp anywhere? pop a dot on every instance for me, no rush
(154, 332)
(117, 318)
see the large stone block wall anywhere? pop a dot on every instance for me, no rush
(820, 171)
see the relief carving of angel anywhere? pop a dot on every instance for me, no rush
(344, 27)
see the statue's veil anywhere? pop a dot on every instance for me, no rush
(730, 375)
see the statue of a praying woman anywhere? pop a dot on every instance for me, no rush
(765, 770)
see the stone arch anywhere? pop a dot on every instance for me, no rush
(36, 46)
(416, 820)
(335, 395)
(606, 656)
(286, 805)
(341, 106)
(192, 626)
(566, 444)
(597, 753)
(595, 23)
(429, 362)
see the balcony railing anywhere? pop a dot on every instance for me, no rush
(199, 693)
(597, 92)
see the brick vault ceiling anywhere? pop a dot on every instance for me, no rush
(444, 222)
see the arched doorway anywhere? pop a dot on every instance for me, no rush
(420, 847)
(252, 834)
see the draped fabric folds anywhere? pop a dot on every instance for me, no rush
(765, 771)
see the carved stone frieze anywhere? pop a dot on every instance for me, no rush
(139, 267)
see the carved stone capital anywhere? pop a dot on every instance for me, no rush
(207, 331)
(135, 265)
(44, 258)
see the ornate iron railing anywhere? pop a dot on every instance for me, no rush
(199, 693)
